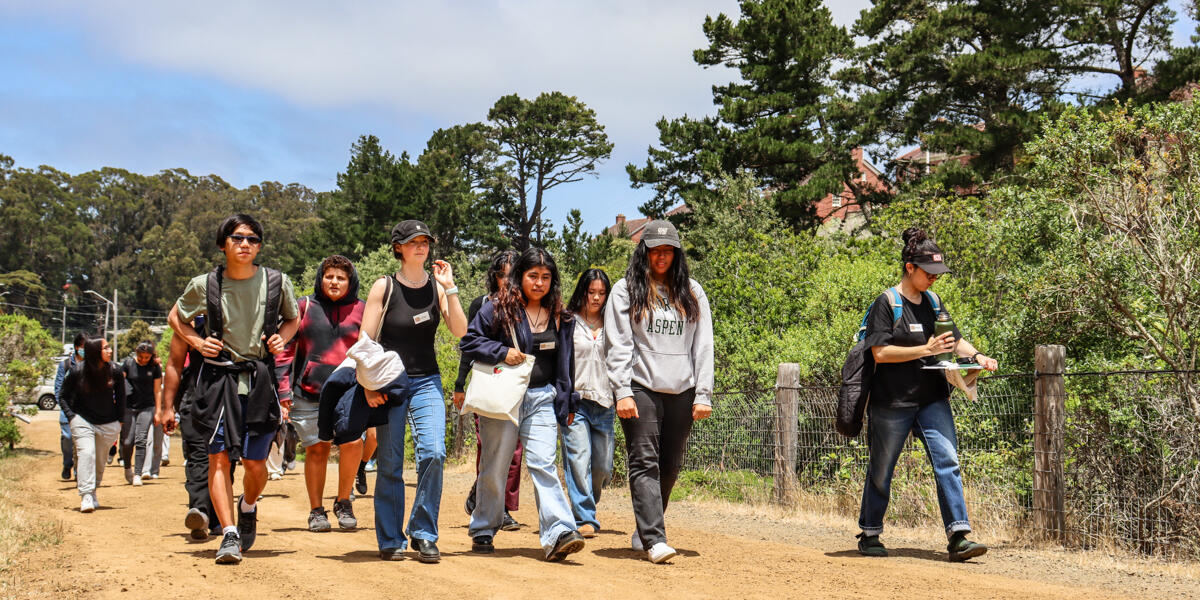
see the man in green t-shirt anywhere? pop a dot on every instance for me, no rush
(236, 407)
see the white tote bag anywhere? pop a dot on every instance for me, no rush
(496, 391)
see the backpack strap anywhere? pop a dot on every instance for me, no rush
(274, 298)
(212, 296)
(897, 304)
(934, 301)
(387, 301)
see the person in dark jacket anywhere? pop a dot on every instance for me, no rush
(177, 395)
(93, 395)
(529, 305)
(145, 381)
(906, 397)
(236, 402)
(330, 320)
(497, 274)
(64, 424)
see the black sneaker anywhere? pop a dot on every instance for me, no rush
(869, 545)
(960, 548)
(66, 474)
(482, 544)
(318, 520)
(360, 480)
(344, 511)
(391, 554)
(427, 551)
(197, 522)
(569, 542)
(469, 505)
(509, 523)
(230, 552)
(247, 525)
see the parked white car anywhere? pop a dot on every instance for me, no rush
(43, 393)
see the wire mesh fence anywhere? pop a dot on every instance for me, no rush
(1130, 460)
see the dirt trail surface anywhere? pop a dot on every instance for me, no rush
(135, 546)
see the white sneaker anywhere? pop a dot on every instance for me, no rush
(153, 476)
(636, 543)
(137, 480)
(661, 553)
(86, 505)
(275, 476)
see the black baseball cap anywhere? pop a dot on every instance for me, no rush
(933, 263)
(407, 231)
(660, 233)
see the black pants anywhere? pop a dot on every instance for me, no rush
(655, 442)
(195, 452)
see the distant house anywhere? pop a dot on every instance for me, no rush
(844, 204)
(634, 228)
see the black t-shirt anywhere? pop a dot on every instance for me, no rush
(906, 384)
(141, 383)
(410, 325)
(545, 355)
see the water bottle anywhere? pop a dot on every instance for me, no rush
(944, 324)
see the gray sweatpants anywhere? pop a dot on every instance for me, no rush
(137, 430)
(89, 464)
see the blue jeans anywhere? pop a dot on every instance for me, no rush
(588, 459)
(64, 437)
(422, 406)
(497, 440)
(887, 429)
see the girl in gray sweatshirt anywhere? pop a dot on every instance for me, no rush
(659, 359)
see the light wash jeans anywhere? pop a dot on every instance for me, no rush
(887, 429)
(538, 432)
(588, 459)
(423, 407)
(89, 468)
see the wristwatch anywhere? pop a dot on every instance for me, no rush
(975, 357)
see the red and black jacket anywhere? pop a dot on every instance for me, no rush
(327, 330)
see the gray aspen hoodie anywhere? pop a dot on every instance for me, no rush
(664, 352)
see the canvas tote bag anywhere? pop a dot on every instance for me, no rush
(496, 391)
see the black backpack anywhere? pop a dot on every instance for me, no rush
(860, 365)
(216, 318)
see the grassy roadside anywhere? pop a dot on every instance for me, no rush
(22, 530)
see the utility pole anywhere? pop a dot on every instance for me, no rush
(116, 356)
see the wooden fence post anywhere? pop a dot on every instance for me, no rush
(1049, 413)
(787, 406)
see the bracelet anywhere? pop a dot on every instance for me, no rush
(451, 291)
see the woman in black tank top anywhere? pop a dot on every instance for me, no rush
(416, 303)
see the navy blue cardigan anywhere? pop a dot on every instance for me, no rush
(487, 344)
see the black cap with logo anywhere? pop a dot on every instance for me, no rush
(407, 231)
(933, 263)
(660, 233)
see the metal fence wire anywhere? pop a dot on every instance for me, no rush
(1131, 460)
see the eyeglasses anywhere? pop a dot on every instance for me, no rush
(238, 239)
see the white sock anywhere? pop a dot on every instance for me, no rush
(230, 529)
(247, 507)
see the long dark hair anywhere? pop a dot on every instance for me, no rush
(504, 258)
(579, 297)
(642, 292)
(97, 372)
(916, 243)
(510, 300)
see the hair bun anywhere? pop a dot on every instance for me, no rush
(913, 236)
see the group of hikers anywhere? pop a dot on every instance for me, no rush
(248, 356)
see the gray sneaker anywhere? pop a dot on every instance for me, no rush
(230, 552)
(197, 522)
(344, 511)
(318, 521)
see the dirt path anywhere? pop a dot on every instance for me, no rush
(136, 547)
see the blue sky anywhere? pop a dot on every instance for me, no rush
(257, 91)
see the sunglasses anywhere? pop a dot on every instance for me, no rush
(238, 239)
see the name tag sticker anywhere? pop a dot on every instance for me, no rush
(546, 346)
(916, 328)
(421, 318)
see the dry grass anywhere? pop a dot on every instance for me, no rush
(21, 529)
